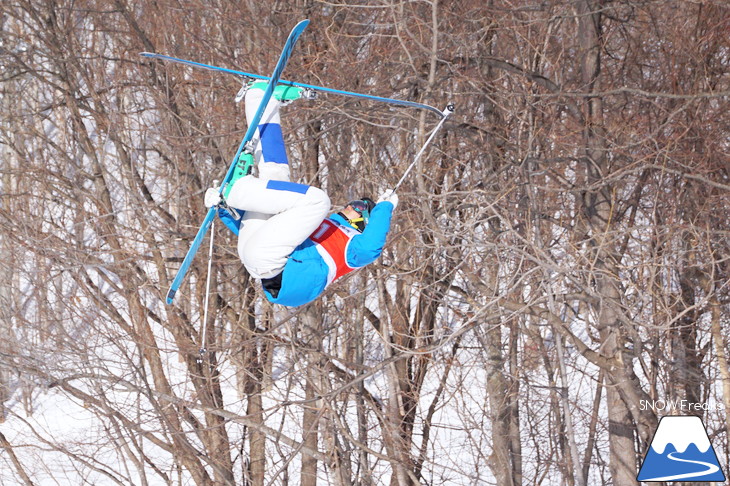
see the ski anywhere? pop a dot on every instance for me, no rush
(210, 216)
(318, 89)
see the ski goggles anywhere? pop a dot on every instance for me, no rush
(362, 209)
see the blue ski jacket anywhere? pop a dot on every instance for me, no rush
(305, 275)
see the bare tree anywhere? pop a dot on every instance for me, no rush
(558, 260)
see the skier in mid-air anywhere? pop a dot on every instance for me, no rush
(286, 235)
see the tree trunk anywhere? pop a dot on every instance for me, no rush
(310, 429)
(312, 410)
(502, 459)
(252, 374)
(7, 259)
(722, 358)
(599, 210)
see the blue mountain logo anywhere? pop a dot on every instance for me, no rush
(681, 451)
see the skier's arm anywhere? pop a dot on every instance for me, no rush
(366, 247)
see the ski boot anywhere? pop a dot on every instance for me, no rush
(283, 92)
(244, 166)
(230, 216)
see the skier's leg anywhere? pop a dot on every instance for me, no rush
(270, 153)
(274, 140)
(268, 135)
(280, 215)
(251, 222)
(251, 193)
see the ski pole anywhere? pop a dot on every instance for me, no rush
(203, 350)
(447, 111)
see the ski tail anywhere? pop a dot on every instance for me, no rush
(205, 226)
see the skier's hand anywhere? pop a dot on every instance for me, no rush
(212, 197)
(390, 196)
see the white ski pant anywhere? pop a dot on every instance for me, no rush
(279, 214)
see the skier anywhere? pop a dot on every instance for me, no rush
(285, 236)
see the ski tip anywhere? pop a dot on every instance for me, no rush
(301, 25)
(170, 296)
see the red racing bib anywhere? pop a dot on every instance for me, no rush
(332, 241)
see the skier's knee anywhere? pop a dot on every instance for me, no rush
(319, 201)
(273, 171)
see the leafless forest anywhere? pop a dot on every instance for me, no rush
(559, 260)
